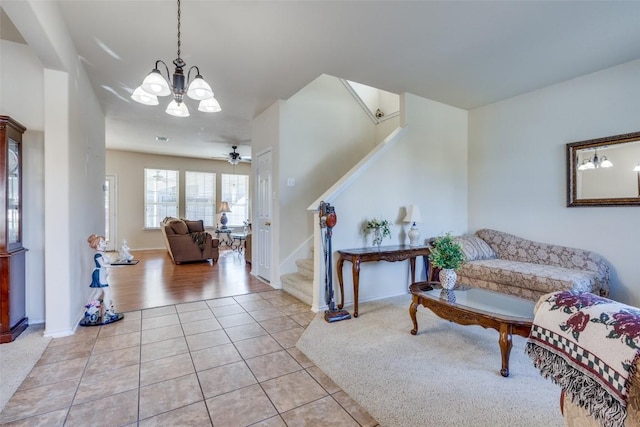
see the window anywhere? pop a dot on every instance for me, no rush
(160, 196)
(235, 191)
(200, 197)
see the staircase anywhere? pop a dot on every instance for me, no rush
(300, 283)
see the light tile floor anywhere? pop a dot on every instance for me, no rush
(221, 362)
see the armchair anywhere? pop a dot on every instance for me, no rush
(187, 241)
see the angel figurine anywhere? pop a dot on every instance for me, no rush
(124, 255)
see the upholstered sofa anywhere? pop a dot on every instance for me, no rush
(512, 265)
(187, 240)
(247, 249)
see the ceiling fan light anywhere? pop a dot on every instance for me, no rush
(155, 84)
(210, 105)
(178, 109)
(143, 97)
(199, 89)
(605, 163)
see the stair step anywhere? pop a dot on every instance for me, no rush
(299, 286)
(305, 267)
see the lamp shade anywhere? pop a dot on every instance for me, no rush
(413, 214)
(637, 168)
(224, 207)
(144, 97)
(605, 163)
(155, 84)
(199, 89)
(178, 109)
(210, 105)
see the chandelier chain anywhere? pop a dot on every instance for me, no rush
(178, 28)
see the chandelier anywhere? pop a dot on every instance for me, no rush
(155, 85)
(595, 162)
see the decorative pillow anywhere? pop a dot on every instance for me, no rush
(475, 248)
(193, 226)
(168, 219)
(179, 227)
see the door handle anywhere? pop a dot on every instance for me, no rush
(267, 223)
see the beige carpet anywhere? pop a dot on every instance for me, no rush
(17, 358)
(447, 375)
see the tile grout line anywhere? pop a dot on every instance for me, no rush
(293, 325)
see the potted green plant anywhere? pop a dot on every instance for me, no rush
(380, 229)
(446, 255)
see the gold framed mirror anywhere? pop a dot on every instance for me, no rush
(604, 171)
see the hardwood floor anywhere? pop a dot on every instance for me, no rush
(156, 281)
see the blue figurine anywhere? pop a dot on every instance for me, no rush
(99, 278)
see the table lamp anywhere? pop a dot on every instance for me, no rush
(224, 208)
(413, 216)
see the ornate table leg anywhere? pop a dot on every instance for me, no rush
(412, 312)
(505, 348)
(340, 263)
(412, 263)
(356, 285)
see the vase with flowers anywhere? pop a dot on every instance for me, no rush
(380, 228)
(446, 255)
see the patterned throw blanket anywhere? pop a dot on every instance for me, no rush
(589, 346)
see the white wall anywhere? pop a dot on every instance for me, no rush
(517, 171)
(73, 126)
(33, 223)
(21, 85)
(427, 168)
(21, 97)
(324, 132)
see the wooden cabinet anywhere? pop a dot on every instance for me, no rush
(13, 317)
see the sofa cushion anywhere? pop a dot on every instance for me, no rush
(179, 227)
(194, 225)
(475, 248)
(539, 277)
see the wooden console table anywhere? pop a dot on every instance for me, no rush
(384, 253)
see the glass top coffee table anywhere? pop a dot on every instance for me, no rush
(474, 306)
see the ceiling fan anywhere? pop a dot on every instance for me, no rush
(234, 157)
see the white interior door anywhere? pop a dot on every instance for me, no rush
(110, 212)
(264, 213)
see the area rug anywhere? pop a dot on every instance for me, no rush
(447, 375)
(17, 358)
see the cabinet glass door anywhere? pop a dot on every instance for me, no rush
(13, 193)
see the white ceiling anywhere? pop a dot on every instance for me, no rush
(463, 53)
